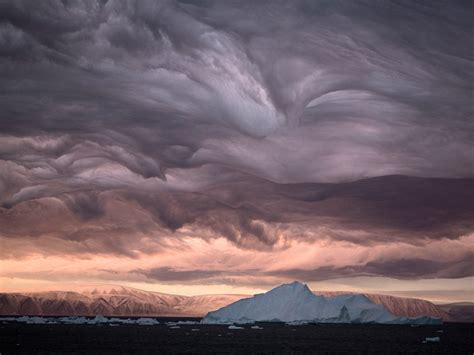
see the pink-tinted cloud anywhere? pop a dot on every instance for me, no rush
(235, 143)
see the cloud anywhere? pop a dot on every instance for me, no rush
(402, 268)
(169, 274)
(125, 125)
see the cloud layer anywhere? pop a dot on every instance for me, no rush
(145, 130)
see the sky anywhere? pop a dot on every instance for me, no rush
(197, 147)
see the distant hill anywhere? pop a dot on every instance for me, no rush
(401, 306)
(112, 300)
(459, 311)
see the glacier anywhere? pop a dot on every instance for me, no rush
(295, 303)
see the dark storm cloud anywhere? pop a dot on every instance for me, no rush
(257, 214)
(85, 204)
(402, 268)
(258, 122)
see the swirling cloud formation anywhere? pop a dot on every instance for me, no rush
(237, 142)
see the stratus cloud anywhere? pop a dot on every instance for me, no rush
(125, 125)
(197, 262)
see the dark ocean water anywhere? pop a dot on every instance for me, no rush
(274, 338)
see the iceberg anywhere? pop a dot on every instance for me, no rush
(147, 321)
(294, 303)
(432, 340)
(97, 320)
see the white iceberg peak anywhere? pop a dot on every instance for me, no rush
(294, 302)
(294, 286)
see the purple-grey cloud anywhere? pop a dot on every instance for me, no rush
(259, 122)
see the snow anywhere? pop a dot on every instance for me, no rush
(38, 320)
(147, 321)
(73, 320)
(114, 300)
(7, 319)
(182, 322)
(235, 327)
(402, 307)
(432, 340)
(29, 320)
(296, 304)
(298, 322)
(97, 320)
(122, 320)
(256, 327)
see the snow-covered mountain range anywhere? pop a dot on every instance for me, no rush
(111, 300)
(296, 303)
